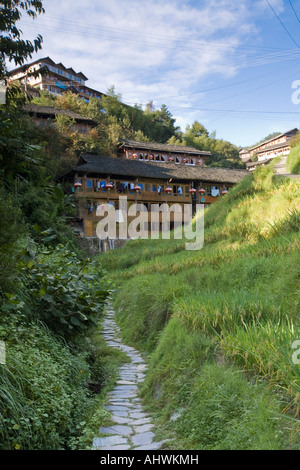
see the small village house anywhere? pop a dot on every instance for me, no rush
(45, 115)
(263, 153)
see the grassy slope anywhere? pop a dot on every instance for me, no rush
(293, 160)
(219, 323)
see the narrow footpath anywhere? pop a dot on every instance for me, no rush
(280, 169)
(133, 428)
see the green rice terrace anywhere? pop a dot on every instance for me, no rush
(218, 326)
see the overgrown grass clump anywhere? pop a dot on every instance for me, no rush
(293, 160)
(219, 323)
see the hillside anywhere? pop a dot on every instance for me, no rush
(219, 325)
(119, 121)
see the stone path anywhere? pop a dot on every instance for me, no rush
(280, 169)
(132, 427)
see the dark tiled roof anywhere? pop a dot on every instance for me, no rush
(48, 111)
(162, 147)
(261, 162)
(96, 164)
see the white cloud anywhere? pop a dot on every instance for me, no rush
(151, 48)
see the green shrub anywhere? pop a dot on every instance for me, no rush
(63, 291)
(10, 233)
(43, 397)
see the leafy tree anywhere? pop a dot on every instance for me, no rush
(12, 46)
(17, 155)
(224, 154)
(64, 123)
(197, 130)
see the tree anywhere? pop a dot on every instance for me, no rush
(197, 130)
(12, 46)
(150, 108)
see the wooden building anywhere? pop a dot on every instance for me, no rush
(53, 77)
(267, 150)
(98, 180)
(45, 115)
(155, 152)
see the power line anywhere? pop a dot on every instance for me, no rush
(230, 85)
(240, 60)
(294, 11)
(287, 31)
(160, 37)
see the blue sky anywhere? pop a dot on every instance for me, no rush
(228, 64)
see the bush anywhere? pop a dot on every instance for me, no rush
(11, 230)
(43, 397)
(63, 291)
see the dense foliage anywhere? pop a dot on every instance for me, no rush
(51, 295)
(118, 121)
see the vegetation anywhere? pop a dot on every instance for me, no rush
(219, 324)
(51, 295)
(13, 46)
(224, 154)
(293, 160)
(118, 121)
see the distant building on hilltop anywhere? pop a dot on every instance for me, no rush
(266, 151)
(56, 79)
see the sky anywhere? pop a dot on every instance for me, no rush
(228, 64)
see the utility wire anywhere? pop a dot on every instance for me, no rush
(239, 62)
(287, 31)
(294, 11)
(160, 37)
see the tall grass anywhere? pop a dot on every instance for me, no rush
(233, 305)
(293, 160)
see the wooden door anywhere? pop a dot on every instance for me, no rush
(88, 228)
